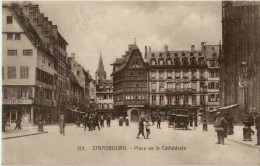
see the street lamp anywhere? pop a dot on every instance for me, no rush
(205, 125)
(40, 124)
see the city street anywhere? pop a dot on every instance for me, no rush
(76, 147)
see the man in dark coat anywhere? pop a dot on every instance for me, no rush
(257, 126)
(230, 127)
(141, 128)
(159, 122)
(220, 127)
(96, 122)
(108, 120)
(251, 121)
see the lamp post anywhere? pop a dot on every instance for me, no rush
(205, 125)
(40, 124)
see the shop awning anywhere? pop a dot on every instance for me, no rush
(224, 108)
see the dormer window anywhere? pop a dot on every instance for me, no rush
(177, 61)
(161, 62)
(193, 61)
(175, 54)
(200, 54)
(201, 61)
(191, 54)
(183, 54)
(185, 61)
(168, 54)
(169, 62)
(160, 55)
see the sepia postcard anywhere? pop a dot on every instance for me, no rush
(130, 83)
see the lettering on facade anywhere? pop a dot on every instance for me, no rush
(135, 106)
(178, 80)
(17, 101)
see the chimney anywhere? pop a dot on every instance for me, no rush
(73, 56)
(145, 53)
(202, 46)
(192, 48)
(166, 48)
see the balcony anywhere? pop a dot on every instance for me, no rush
(178, 91)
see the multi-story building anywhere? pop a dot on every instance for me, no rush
(177, 79)
(130, 77)
(28, 86)
(104, 90)
(92, 94)
(240, 74)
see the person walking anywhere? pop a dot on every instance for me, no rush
(220, 127)
(16, 124)
(251, 121)
(108, 120)
(19, 124)
(230, 127)
(153, 119)
(141, 128)
(158, 122)
(62, 125)
(101, 121)
(147, 128)
(257, 126)
(96, 122)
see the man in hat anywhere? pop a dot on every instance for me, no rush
(220, 127)
(158, 122)
(257, 126)
(250, 119)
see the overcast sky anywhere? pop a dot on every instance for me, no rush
(111, 26)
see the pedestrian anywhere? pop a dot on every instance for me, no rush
(108, 120)
(220, 127)
(199, 119)
(257, 126)
(158, 122)
(141, 128)
(127, 120)
(96, 122)
(120, 120)
(62, 125)
(101, 121)
(91, 122)
(19, 124)
(147, 128)
(153, 119)
(230, 127)
(251, 121)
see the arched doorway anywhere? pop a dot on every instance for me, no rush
(134, 115)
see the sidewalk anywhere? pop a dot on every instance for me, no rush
(26, 131)
(236, 137)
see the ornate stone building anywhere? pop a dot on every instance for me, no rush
(130, 77)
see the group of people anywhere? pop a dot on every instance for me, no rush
(142, 126)
(124, 119)
(224, 125)
(93, 120)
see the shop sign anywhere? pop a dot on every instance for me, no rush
(136, 106)
(17, 101)
(178, 80)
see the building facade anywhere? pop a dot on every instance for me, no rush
(177, 80)
(240, 72)
(28, 86)
(130, 81)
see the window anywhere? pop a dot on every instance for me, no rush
(185, 61)
(186, 100)
(161, 99)
(177, 75)
(194, 85)
(24, 72)
(185, 74)
(194, 74)
(153, 86)
(169, 74)
(153, 62)
(161, 86)
(193, 61)
(153, 98)
(169, 85)
(27, 52)
(176, 61)
(43, 58)
(169, 61)
(201, 73)
(185, 85)
(201, 61)
(212, 97)
(9, 19)
(17, 36)
(161, 75)
(169, 99)
(202, 99)
(12, 52)
(194, 100)
(161, 62)
(9, 36)
(177, 86)
(153, 75)
(11, 72)
(177, 100)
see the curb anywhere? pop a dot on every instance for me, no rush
(25, 135)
